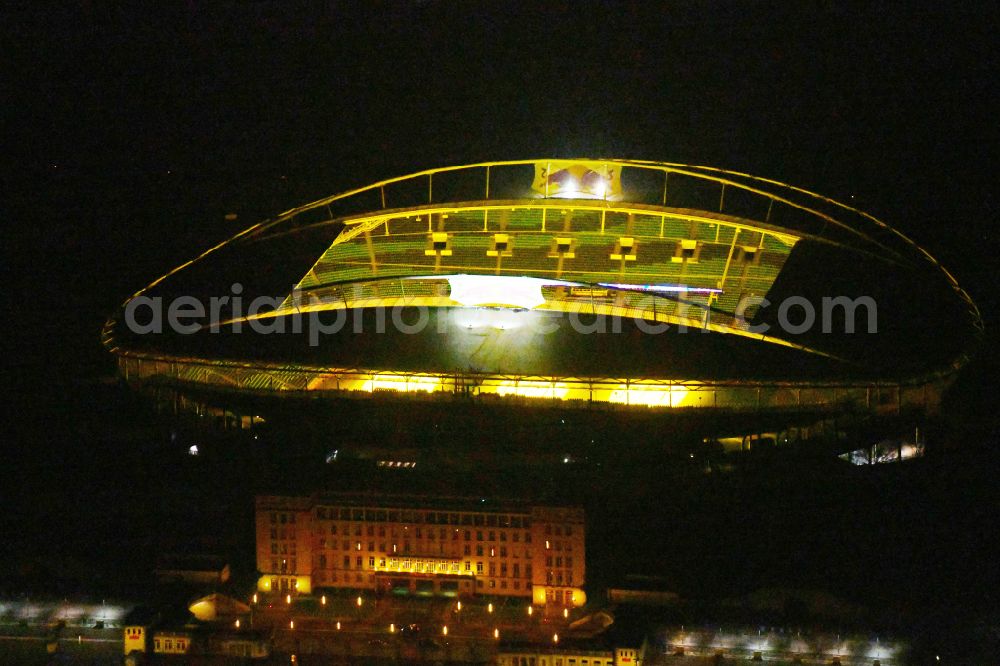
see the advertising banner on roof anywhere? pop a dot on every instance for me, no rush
(574, 179)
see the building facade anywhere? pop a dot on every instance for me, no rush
(425, 546)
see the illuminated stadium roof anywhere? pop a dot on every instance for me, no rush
(512, 242)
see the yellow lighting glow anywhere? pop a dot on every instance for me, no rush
(358, 601)
(403, 383)
(533, 389)
(496, 634)
(648, 395)
(444, 630)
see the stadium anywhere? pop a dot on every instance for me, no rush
(630, 288)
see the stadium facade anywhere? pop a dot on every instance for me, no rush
(499, 247)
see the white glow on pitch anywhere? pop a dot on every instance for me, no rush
(518, 292)
(473, 318)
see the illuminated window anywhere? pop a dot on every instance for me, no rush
(687, 251)
(562, 248)
(624, 249)
(501, 246)
(440, 245)
(748, 255)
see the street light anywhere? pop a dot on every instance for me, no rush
(322, 600)
(288, 599)
(496, 634)
(237, 623)
(338, 625)
(444, 630)
(291, 624)
(255, 597)
(565, 612)
(489, 607)
(392, 627)
(531, 610)
(358, 601)
(555, 638)
(459, 605)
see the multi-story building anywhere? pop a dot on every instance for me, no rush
(446, 546)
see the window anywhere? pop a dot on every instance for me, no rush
(624, 250)
(747, 255)
(562, 248)
(479, 567)
(439, 245)
(687, 251)
(479, 549)
(501, 246)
